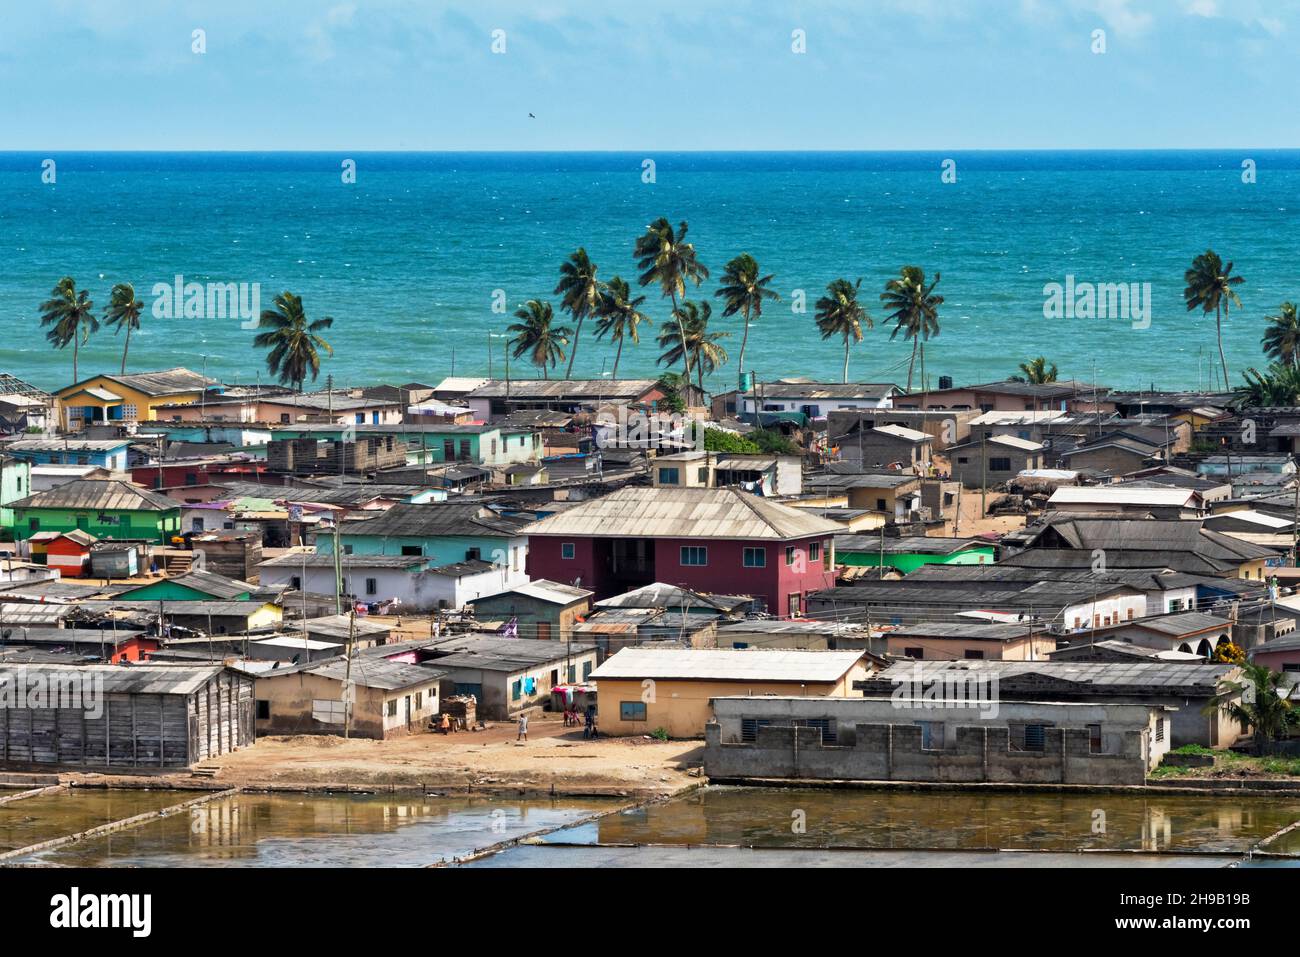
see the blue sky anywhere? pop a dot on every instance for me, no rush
(620, 75)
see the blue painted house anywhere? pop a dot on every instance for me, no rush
(105, 453)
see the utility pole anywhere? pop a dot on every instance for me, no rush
(984, 473)
(1295, 527)
(338, 571)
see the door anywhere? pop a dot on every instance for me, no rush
(408, 712)
(543, 630)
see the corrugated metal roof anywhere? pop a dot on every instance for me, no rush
(377, 673)
(70, 445)
(1123, 495)
(122, 679)
(1014, 442)
(558, 389)
(709, 664)
(684, 513)
(103, 495)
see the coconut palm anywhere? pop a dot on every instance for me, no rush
(536, 336)
(1257, 700)
(664, 257)
(295, 343)
(1282, 336)
(1210, 287)
(840, 314)
(70, 315)
(915, 309)
(702, 348)
(618, 315)
(1278, 386)
(123, 312)
(1036, 371)
(743, 291)
(580, 291)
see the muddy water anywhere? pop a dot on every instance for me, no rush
(302, 830)
(912, 820)
(31, 820)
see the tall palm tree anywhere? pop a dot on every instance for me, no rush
(580, 291)
(618, 316)
(295, 343)
(1256, 700)
(70, 315)
(123, 312)
(1210, 287)
(536, 336)
(664, 257)
(1282, 336)
(915, 309)
(1036, 371)
(1278, 386)
(743, 291)
(702, 348)
(840, 314)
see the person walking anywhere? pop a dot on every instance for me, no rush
(523, 727)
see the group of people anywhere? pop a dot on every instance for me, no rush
(570, 720)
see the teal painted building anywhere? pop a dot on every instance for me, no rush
(105, 508)
(15, 484)
(911, 552)
(437, 444)
(194, 585)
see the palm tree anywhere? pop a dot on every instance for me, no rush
(1278, 386)
(1282, 336)
(915, 309)
(580, 291)
(618, 316)
(664, 257)
(743, 291)
(123, 312)
(70, 315)
(1036, 371)
(840, 314)
(1209, 286)
(702, 349)
(536, 336)
(295, 343)
(1256, 700)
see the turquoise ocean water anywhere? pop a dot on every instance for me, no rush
(408, 257)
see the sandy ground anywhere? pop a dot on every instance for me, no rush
(972, 524)
(553, 758)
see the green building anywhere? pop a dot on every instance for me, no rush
(106, 508)
(15, 483)
(436, 443)
(911, 551)
(194, 585)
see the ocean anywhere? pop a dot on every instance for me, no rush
(409, 257)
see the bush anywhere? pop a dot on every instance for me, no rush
(659, 734)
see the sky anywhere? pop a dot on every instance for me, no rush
(621, 75)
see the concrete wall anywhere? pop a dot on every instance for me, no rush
(881, 740)
(295, 702)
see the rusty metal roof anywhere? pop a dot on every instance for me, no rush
(104, 495)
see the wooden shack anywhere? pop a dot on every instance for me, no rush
(122, 716)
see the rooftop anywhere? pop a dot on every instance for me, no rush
(708, 664)
(101, 495)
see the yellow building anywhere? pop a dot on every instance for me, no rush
(134, 397)
(642, 690)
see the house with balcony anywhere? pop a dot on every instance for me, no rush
(134, 397)
(709, 540)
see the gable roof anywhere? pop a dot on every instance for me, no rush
(104, 495)
(167, 382)
(715, 664)
(684, 513)
(406, 519)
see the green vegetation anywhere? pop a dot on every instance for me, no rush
(1036, 371)
(537, 336)
(1279, 385)
(123, 312)
(670, 383)
(915, 311)
(759, 441)
(840, 314)
(580, 293)
(1256, 702)
(659, 734)
(743, 291)
(70, 315)
(1210, 288)
(1281, 340)
(668, 261)
(703, 349)
(295, 343)
(618, 315)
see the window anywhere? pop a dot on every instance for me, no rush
(33, 524)
(464, 449)
(754, 558)
(1094, 739)
(794, 603)
(516, 689)
(974, 655)
(815, 551)
(419, 700)
(669, 477)
(1175, 604)
(631, 711)
(412, 550)
(1000, 464)
(295, 583)
(790, 553)
(1160, 729)
(327, 711)
(372, 586)
(573, 674)
(568, 550)
(586, 670)
(263, 710)
(917, 653)
(703, 476)
(196, 524)
(347, 549)
(284, 418)
(1034, 737)
(881, 505)
(931, 735)
(390, 707)
(360, 418)
(963, 460)
(448, 449)
(694, 555)
(749, 728)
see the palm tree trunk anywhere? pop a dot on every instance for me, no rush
(744, 339)
(681, 331)
(911, 364)
(76, 344)
(568, 373)
(1218, 329)
(125, 347)
(618, 354)
(846, 358)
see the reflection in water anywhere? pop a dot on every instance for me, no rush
(286, 830)
(964, 820)
(35, 819)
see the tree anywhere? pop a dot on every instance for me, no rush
(665, 258)
(1210, 288)
(1279, 386)
(580, 292)
(536, 336)
(295, 343)
(670, 384)
(70, 315)
(1036, 371)
(618, 315)
(743, 291)
(692, 338)
(1282, 336)
(1256, 701)
(915, 309)
(123, 312)
(840, 314)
